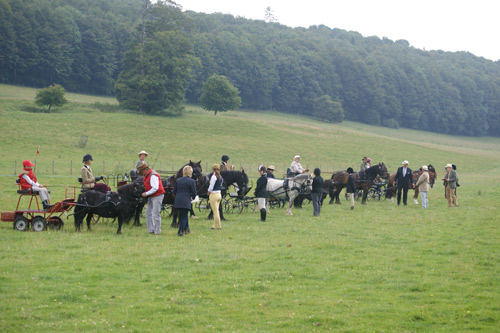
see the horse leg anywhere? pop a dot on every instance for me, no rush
(221, 212)
(89, 218)
(365, 195)
(78, 220)
(290, 205)
(120, 222)
(175, 215)
(138, 212)
(415, 196)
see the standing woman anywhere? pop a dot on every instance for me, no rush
(88, 180)
(214, 195)
(317, 191)
(185, 191)
(261, 192)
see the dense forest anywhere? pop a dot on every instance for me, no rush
(84, 45)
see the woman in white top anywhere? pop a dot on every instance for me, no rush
(214, 194)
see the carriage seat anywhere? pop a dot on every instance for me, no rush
(25, 192)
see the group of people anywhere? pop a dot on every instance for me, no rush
(185, 187)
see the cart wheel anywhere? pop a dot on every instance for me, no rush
(165, 211)
(39, 223)
(21, 223)
(55, 223)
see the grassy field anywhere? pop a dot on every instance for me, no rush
(376, 268)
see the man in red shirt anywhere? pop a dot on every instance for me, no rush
(27, 180)
(154, 191)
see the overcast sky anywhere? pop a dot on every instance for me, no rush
(448, 25)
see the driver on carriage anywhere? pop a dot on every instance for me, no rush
(89, 182)
(27, 180)
(296, 168)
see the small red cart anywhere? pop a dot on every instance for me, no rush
(37, 218)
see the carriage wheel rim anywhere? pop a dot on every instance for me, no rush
(21, 225)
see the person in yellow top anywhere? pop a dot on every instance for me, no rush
(88, 179)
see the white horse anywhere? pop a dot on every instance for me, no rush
(276, 188)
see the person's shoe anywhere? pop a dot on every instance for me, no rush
(194, 216)
(187, 231)
(212, 228)
(352, 207)
(180, 234)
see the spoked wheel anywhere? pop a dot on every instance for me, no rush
(55, 223)
(274, 203)
(202, 204)
(39, 223)
(165, 211)
(229, 206)
(21, 223)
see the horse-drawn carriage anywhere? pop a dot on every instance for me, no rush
(36, 218)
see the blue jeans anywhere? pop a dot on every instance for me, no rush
(316, 199)
(423, 198)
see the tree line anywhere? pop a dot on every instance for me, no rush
(154, 56)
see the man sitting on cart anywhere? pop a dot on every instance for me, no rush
(27, 180)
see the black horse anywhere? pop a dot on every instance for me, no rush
(112, 204)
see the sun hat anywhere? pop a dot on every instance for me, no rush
(424, 167)
(449, 165)
(296, 156)
(143, 152)
(271, 167)
(27, 163)
(404, 162)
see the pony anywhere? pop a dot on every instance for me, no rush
(391, 191)
(289, 188)
(111, 204)
(364, 180)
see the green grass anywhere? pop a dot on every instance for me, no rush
(377, 268)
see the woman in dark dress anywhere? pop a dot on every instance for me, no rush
(185, 191)
(261, 192)
(317, 191)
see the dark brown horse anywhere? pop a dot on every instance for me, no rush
(391, 191)
(364, 180)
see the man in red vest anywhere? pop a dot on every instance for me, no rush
(27, 180)
(154, 191)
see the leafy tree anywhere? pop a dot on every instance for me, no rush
(326, 109)
(52, 95)
(219, 95)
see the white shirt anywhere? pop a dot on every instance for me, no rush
(28, 179)
(404, 172)
(213, 179)
(155, 184)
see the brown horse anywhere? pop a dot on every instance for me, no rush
(391, 191)
(364, 180)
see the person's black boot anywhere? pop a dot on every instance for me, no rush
(263, 215)
(46, 205)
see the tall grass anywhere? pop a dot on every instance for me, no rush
(377, 268)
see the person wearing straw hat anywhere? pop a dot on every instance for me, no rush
(154, 191)
(28, 181)
(142, 159)
(450, 179)
(403, 180)
(270, 170)
(423, 186)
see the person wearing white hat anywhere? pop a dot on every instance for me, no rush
(450, 181)
(403, 180)
(423, 186)
(296, 168)
(142, 159)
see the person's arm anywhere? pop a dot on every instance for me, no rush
(154, 185)
(213, 179)
(32, 183)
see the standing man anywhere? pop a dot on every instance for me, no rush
(351, 186)
(261, 192)
(296, 168)
(423, 186)
(450, 180)
(154, 191)
(403, 180)
(317, 191)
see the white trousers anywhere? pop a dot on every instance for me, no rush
(42, 192)
(153, 214)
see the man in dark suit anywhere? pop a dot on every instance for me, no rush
(403, 180)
